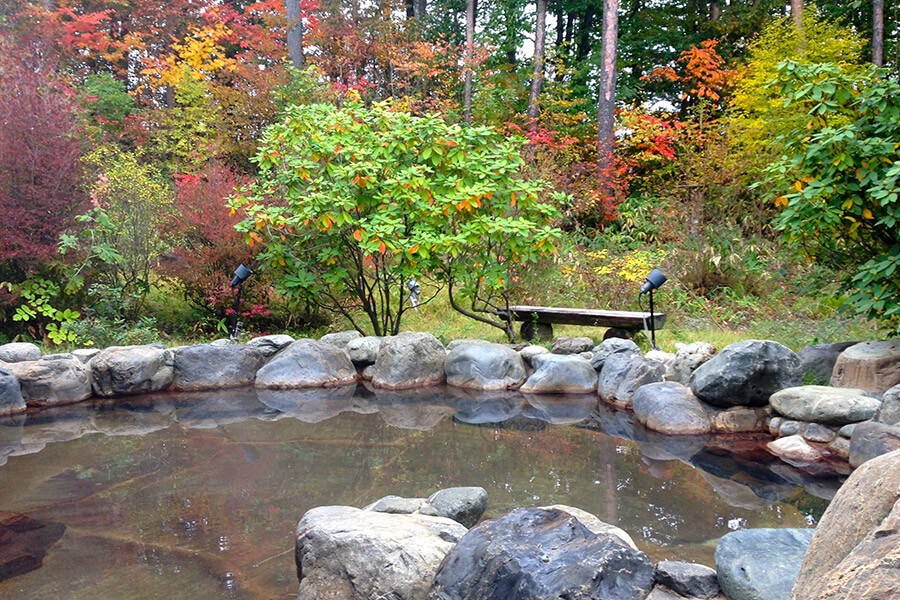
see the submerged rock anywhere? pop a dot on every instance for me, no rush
(484, 366)
(670, 407)
(124, 370)
(24, 542)
(871, 366)
(822, 404)
(746, 373)
(50, 382)
(761, 564)
(535, 554)
(409, 360)
(856, 547)
(560, 374)
(205, 367)
(307, 363)
(344, 553)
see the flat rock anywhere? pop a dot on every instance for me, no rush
(813, 432)
(270, 345)
(307, 363)
(560, 374)
(465, 505)
(611, 346)
(669, 407)
(889, 411)
(823, 404)
(206, 367)
(126, 370)
(746, 373)
(344, 553)
(537, 554)
(24, 542)
(19, 352)
(340, 338)
(871, 366)
(11, 400)
(854, 552)
(593, 523)
(871, 439)
(409, 360)
(687, 359)
(622, 374)
(687, 579)
(818, 361)
(761, 564)
(484, 366)
(794, 449)
(571, 345)
(364, 350)
(50, 382)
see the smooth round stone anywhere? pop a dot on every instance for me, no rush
(794, 449)
(823, 404)
(670, 407)
(871, 366)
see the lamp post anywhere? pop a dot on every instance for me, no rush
(652, 282)
(240, 276)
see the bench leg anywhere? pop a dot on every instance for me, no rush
(617, 332)
(536, 331)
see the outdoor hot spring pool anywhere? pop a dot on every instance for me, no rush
(197, 495)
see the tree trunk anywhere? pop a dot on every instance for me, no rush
(420, 9)
(878, 33)
(560, 28)
(410, 9)
(470, 58)
(715, 11)
(584, 34)
(606, 109)
(797, 13)
(537, 76)
(294, 33)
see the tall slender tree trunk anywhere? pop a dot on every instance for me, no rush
(470, 58)
(560, 28)
(584, 33)
(420, 8)
(537, 76)
(294, 33)
(410, 9)
(354, 12)
(797, 13)
(715, 11)
(606, 107)
(878, 33)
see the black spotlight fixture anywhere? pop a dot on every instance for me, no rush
(240, 276)
(652, 282)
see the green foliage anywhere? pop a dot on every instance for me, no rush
(39, 298)
(840, 178)
(106, 98)
(185, 135)
(351, 203)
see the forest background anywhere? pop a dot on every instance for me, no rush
(750, 149)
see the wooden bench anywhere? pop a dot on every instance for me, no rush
(538, 321)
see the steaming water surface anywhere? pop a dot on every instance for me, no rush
(196, 495)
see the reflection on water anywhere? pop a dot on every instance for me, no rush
(196, 495)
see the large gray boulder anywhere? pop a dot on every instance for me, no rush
(560, 374)
(484, 366)
(364, 350)
(871, 439)
(823, 404)
(11, 400)
(622, 374)
(19, 352)
(856, 547)
(47, 382)
(344, 553)
(871, 366)
(889, 411)
(746, 373)
(537, 554)
(307, 363)
(760, 564)
(818, 361)
(688, 579)
(341, 338)
(409, 360)
(688, 359)
(270, 345)
(669, 407)
(465, 505)
(611, 346)
(125, 370)
(206, 367)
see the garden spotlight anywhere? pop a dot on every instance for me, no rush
(240, 276)
(652, 282)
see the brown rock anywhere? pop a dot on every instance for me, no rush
(739, 419)
(24, 542)
(854, 552)
(871, 366)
